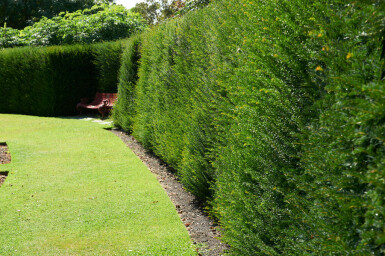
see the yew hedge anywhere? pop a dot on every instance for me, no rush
(128, 76)
(49, 81)
(273, 113)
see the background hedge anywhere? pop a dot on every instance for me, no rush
(272, 112)
(50, 81)
(108, 61)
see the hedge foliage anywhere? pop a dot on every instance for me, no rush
(273, 111)
(49, 81)
(128, 76)
(343, 153)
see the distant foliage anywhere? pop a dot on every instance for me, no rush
(156, 11)
(272, 112)
(9, 37)
(99, 23)
(192, 5)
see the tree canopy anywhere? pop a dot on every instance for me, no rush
(154, 11)
(99, 23)
(21, 13)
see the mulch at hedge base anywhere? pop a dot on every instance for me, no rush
(203, 231)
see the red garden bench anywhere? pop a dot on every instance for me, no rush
(103, 102)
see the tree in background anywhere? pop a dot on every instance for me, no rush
(154, 11)
(149, 10)
(21, 13)
(100, 23)
(192, 5)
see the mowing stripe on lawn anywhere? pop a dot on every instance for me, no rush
(74, 188)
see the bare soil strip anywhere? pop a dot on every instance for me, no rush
(5, 157)
(203, 231)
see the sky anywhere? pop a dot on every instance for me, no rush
(128, 3)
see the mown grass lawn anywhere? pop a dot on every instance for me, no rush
(75, 189)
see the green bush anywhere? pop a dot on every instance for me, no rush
(268, 86)
(50, 81)
(99, 23)
(9, 37)
(19, 14)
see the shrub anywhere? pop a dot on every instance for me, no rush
(97, 24)
(19, 14)
(295, 177)
(269, 87)
(9, 37)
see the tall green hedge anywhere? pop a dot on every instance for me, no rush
(128, 76)
(272, 112)
(343, 153)
(49, 81)
(174, 95)
(45, 81)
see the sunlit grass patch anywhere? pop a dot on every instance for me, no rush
(74, 188)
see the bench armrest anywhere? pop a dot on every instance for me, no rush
(106, 102)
